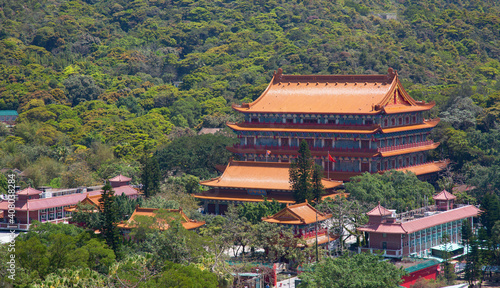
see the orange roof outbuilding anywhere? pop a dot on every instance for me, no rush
(298, 214)
(161, 224)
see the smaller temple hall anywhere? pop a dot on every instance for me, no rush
(420, 232)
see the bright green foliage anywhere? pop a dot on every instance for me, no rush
(359, 271)
(254, 211)
(79, 278)
(175, 244)
(393, 189)
(56, 252)
(190, 182)
(196, 155)
(3, 184)
(177, 275)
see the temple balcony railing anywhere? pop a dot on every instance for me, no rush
(390, 253)
(289, 147)
(25, 227)
(306, 125)
(312, 234)
(405, 146)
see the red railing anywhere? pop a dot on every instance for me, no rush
(405, 146)
(288, 147)
(312, 125)
(313, 233)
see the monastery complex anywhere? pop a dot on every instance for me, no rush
(366, 123)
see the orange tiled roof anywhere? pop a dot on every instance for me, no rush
(305, 128)
(162, 225)
(321, 240)
(444, 195)
(410, 150)
(339, 94)
(258, 175)
(427, 124)
(90, 200)
(427, 168)
(298, 214)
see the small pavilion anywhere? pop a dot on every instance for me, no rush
(160, 218)
(302, 218)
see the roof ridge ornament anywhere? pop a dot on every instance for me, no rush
(391, 73)
(278, 75)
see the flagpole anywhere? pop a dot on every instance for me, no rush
(328, 161)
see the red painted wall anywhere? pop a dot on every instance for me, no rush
(393, 241)
(427, 273)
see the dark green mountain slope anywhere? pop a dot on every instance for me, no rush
(117, 77)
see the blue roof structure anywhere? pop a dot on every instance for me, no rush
(8, 113)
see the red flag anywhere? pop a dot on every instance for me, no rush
(331, 158)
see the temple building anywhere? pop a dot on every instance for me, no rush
(352, 124)
(54, 206)
(419, 232)
(250, 181)
(159, 219)
(304, 219)
(367, 123)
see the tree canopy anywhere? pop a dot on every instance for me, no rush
(393, 189)
(358, 271)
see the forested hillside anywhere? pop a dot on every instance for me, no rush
(98, 84)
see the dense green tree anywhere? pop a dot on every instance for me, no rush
(177, 275)
(150, 176)
(361, 270)
(393, 189)
(317, 187)
(490, 204)
(196, 155)
(109, 217)
(81, 88)
(300, 174)
(255, 211)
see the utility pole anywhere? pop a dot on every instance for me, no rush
(316, 224)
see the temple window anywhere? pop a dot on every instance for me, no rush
(284, 142)
(368, 121)
(407, 120)
(328, 143)
(289, 120)
(414, 119)
(386, 122)
(400, 121)
(254, 120)
(393, 122)
(310, 121)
